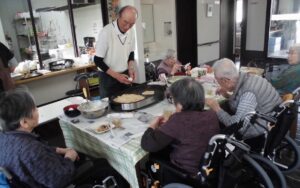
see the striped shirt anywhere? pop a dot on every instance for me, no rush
(247, 103)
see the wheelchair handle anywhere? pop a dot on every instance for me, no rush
(215, 138)
(254, 114)
(239, 144)
(105, 182)
(296, 91)
(268, 118)
(285, 103)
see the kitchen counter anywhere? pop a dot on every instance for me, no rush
(55, 73)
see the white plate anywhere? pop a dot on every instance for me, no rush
(173, 79)
(94, 129)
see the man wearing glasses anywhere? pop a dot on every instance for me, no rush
(115, 53)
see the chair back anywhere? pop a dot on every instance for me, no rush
(4, 175)
(285, 114)
(7, 180)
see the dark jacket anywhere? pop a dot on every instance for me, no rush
(33, 162)
(188, 133)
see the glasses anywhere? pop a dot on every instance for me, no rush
(126, 23)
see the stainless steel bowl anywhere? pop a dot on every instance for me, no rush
(93, 109)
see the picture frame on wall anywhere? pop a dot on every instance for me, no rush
(113, 7)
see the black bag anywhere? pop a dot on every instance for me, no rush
(150, 70)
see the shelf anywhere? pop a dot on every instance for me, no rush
(24, 35)
(25, 15)
(63, 8)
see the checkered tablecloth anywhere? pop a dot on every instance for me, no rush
(123, 159)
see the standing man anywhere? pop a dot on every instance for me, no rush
(7, 65)
(115, 53)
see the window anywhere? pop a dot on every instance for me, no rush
(17, 28)
(284, 29)
(53, 29)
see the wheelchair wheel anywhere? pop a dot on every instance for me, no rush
(276, 176)
(286, 155)
(253, 175)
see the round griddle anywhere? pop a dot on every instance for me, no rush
(138, 89)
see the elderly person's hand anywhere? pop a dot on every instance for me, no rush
(68, 153)
(176, 68)
(213, 104)
(131, 70)
(156, 122)
(223, 92)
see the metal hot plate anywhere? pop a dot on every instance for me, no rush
(139, 89)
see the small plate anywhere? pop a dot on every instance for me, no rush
(104, 127)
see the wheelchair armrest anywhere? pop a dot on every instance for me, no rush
(166, 164)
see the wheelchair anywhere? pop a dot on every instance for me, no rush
(278, 146)
(226, 163)
(7, 180)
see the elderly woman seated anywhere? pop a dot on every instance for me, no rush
(288, 80)
(32, 162)
(171, 66)
(187, 131)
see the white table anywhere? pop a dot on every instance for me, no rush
(53, 110)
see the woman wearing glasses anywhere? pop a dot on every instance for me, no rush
(288, 80)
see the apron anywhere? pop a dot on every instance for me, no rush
(6, 82)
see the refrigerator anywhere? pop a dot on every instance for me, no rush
(208, 30)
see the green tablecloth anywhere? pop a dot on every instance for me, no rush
(123, 159)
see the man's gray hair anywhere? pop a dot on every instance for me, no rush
(225, 68)
(127, 7)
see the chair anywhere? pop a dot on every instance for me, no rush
(278, 146)
(226, 163)
(151, 70)
(82, 172)
(81, 80)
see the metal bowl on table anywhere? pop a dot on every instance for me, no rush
(93, 109)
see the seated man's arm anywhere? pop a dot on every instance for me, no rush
(247, 103)
(155, 140)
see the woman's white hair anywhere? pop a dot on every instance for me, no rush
(296, 48)
(225, 68)
(170, 54)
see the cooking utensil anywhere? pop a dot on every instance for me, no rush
(84, 91)
(138, 89)
(71, 110)
(93, 109)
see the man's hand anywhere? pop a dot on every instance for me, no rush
(213, 104)
(123, 78)
(131, 70)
